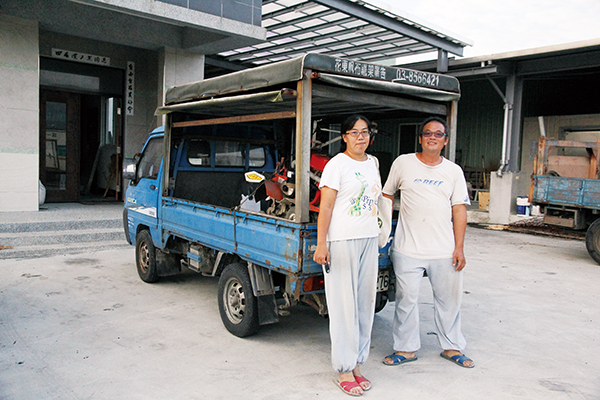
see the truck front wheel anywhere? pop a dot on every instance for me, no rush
(145, 257)
(592, 240)
(237, 303)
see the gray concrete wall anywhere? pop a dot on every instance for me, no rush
(504, 191)
(19, 115)
(177, 67)
(553, 125)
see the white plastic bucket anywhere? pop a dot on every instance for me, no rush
(523, 205)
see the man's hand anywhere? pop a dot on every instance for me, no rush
(458, 259)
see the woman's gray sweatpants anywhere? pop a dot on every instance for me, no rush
(350, 288)
(446, 284)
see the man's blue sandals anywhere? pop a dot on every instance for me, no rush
(458, 359)
(397, 359)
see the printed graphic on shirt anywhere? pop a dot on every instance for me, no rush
(356, 209)
(428, 182)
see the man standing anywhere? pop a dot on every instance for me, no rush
(429, 238)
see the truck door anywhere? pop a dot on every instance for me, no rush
(143, 192)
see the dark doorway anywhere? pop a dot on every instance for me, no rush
(80, 131)
(80, 136)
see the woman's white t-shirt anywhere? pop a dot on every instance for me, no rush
(428, 193)
(358, 187)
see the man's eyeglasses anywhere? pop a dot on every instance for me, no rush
(355, 133)
(437, 134)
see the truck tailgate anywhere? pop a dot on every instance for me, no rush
(577, 192)
(264, 240)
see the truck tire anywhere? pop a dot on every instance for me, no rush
(237, 303)
(380, 301)
(145, 257)
(592, 240)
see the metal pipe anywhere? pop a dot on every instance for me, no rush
(505, 128)
(504, 161)
(542, 127)
(303, 136)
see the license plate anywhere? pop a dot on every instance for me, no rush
(383, 281)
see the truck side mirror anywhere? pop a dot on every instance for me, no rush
(129, 168)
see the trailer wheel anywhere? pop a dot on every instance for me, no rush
(145, 257)
(237, 304)
(380, 301)
(592, 240)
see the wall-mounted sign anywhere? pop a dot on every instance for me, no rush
(130, 86)
(81, 57)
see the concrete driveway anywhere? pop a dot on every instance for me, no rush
(86, 327)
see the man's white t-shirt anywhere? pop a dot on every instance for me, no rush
(428, 193)
(358, 187)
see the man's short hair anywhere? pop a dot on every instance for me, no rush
(435, 119)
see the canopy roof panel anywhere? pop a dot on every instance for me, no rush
(338, 84)
(354, 29)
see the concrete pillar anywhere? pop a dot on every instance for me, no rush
(19, 114)
(504, 191)
(177, 67)
(515, 95)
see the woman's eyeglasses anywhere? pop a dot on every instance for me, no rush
(437, 134)
(355, 133)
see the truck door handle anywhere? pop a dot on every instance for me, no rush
(152, 187)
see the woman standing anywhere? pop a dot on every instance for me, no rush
(347, 248)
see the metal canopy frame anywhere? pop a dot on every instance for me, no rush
(354, 29)
(306, 88)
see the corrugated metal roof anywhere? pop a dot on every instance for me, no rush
(355, 29)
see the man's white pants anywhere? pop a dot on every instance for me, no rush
(447, 287)
(350, 287)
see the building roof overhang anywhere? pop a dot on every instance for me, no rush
(357, 29)
(574, 56)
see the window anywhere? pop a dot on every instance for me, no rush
(226, 154)
(257, 156)
(199, 153)
(151, 159)
(229, 154)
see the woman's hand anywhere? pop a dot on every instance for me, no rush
(321, 255)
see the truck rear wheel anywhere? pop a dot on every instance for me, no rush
(380, 301)
(592, 240)
(237, 304)
(145, 257)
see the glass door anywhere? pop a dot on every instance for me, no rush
(59, 145)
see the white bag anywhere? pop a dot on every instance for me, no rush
(385, 207)
(384, 217)
(41, 193)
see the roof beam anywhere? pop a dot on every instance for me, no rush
(392, 24)
(559, 63)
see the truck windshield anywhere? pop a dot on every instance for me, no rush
(151, 159)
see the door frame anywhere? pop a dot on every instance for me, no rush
(73, 138)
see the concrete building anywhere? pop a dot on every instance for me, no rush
(80, 80)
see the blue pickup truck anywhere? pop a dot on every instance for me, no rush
(566, 187)
(228, 187)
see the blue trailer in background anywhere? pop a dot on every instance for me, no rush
(567, 188)
(228, 188)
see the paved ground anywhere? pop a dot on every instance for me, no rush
(86, 327)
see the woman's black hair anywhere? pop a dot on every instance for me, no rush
(434, 119)
(348, 124)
